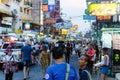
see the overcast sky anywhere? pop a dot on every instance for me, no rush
(75, 8)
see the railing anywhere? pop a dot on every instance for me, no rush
(4, 8)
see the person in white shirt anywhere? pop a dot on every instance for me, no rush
(104, 64)
(8, 60)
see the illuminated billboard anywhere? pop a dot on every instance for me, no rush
(64, 31)
(102, 9)
(45, 8)
(116, 57)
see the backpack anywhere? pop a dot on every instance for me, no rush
(88, 73)
(9, 66)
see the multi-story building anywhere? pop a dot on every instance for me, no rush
(36, 12)
(4, 12)
(18, 12)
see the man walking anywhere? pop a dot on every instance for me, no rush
(84, 70)
(68, 53)
(26, 56)
(60, 70)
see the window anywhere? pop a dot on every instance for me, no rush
(27, 11)
(21, 9)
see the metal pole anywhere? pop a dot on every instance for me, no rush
(39, 14)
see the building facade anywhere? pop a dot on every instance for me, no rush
(16, 13)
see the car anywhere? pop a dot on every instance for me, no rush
(16, 48)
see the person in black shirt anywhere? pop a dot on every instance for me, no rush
(68, 53)
(83, 62)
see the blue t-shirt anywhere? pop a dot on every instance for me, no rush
(58, 72)
(26, 52)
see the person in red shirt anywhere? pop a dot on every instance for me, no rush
(91, 54)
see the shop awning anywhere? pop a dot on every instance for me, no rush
(5, 10)
(35, 24)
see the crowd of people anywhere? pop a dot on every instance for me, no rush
(60, 68)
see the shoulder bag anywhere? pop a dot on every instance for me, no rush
(67, 71)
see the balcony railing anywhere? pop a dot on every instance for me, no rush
(5, 9)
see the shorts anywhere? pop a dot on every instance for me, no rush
(104, 70)
(26, 63)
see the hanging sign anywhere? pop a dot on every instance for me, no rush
(51, 8)
(45, 8)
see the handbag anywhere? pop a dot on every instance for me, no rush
(14, 66)
(5, 68)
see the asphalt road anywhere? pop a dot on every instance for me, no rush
(36, 74)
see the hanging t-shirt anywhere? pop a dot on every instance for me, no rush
(106, 40)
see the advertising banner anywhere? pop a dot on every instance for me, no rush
(51, 2)
(51, 8)
(64, 31)
(45, 8)
(27, 25)
(104, 18)
(103, 9)
(56, 13)
(86, 17)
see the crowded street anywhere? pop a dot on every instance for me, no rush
(59, 39)
(36, 73)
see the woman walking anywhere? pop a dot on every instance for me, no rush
(44, 59)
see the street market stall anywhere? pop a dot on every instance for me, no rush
(115, 49)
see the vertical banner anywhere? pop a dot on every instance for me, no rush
(51, 8)
(51, 2)
(57, 9)
(45, 8)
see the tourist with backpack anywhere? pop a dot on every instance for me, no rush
(9, 65)
(60, 70)
(84, 73)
